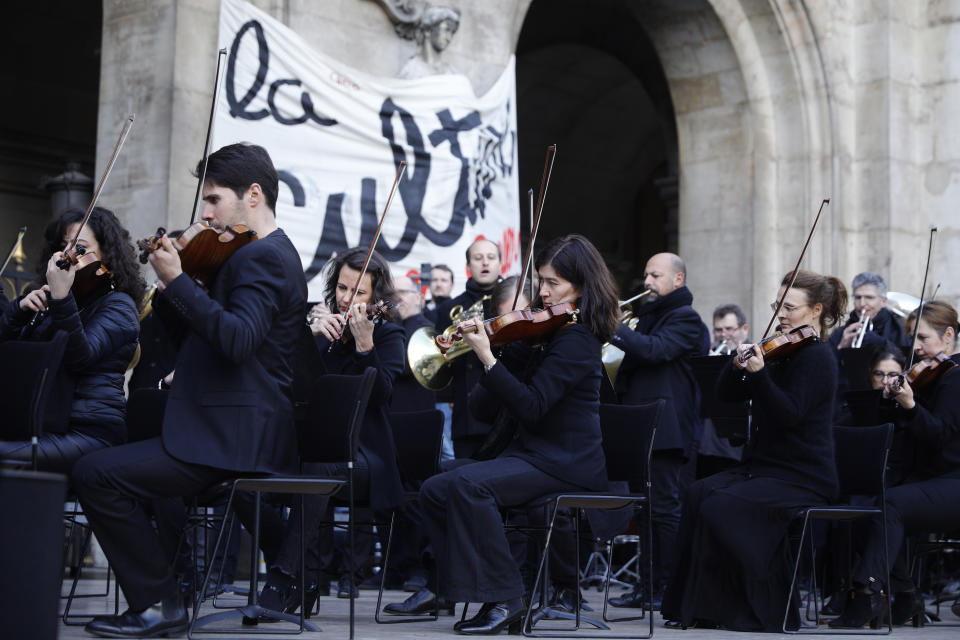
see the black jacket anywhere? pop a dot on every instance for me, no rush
(102, 341)
(934, 426)
(408, 394)
(792, 428)
(558, 408)
(466, 369)
(231, 406)
(376, 437)
(656, 365)
(886, 328)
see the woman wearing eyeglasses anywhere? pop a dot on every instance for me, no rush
(927, 500)
(733, 562)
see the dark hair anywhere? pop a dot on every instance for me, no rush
(506, 289)
(444, 267)
(467, 252)
(939, 315)
(237, 166)
(888, 351)
(726, 309)
(116, 248)
(825, 290)
(379, 270)
(575, 259)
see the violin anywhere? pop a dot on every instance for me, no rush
(926, 372)
(781, 345)
(202, 249)
(519, 324)
(375, 312)
(91, 273)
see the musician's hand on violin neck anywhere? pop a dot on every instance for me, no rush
(165, 260)
(36, 300)
(754, 362)
(361, 327)
(899, 389)
(59, 280)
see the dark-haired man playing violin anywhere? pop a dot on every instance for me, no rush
(229, 411)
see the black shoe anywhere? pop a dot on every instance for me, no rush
(344, 590)
(420, 603)
(834, 605)
(907, 606)
(471, 622)
(861, 606)
(166, 617)
(500, 616)
(633, 599)
(565, 599)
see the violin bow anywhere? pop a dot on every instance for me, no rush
(923, 290)
(64, 263)
(793, 277)
(373, 243)
(206, 145)
(530, 209)
(13, 249)
(544, 183)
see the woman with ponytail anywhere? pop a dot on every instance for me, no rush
(927, 499)
(733, 561)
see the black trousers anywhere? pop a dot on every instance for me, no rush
(115, 486)
(56, 452)
(461, 516)
(665, 508)
(929, 506)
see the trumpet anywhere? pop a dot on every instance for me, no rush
(612, 356)
(865, 326)
(431, 367)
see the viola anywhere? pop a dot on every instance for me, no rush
(519, 324)
(781, 345)
(203, 249)
(927, 371)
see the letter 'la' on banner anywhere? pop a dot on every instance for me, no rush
(337, 135)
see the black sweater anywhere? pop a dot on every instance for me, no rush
(792, 428)
(934, 424)
(558, 408)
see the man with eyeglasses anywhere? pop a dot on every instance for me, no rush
(656, 365)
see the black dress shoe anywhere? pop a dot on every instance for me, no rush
(861, 606)
(633, 599)
(344, 590)
(565, 599)
(420, 603)
(908, 606)
(166, 617)
(470, 622)
(500, 616)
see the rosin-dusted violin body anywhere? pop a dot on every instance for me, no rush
(782, 344)
(203, 249)
(519, 324)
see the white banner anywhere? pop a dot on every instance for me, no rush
(337, 135)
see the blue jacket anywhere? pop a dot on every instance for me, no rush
(102, 339)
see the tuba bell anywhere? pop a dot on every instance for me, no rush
(428, 364)
(612, 356)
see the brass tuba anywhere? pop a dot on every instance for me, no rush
(428, 364)
(612, 356)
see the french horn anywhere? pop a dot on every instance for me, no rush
(431, 367)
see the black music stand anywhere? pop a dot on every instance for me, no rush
(730, 419)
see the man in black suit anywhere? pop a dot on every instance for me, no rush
(656, 365)
(229, 411)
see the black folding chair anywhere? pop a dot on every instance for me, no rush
(328, 431)
(861, 458)
(628, 433)
(418, 437)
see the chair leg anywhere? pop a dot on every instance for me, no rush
(383, 575)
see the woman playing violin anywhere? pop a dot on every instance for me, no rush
(102, 327)
(733, 567)
(927, 499)
(557, 447)
(358, 342)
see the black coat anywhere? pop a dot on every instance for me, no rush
(231, 406)
(376, 438)
(466, 369)
(102, 341)
(558, 408)
(934, 426)
(656, 364)
(408, 394)
(792, 427)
